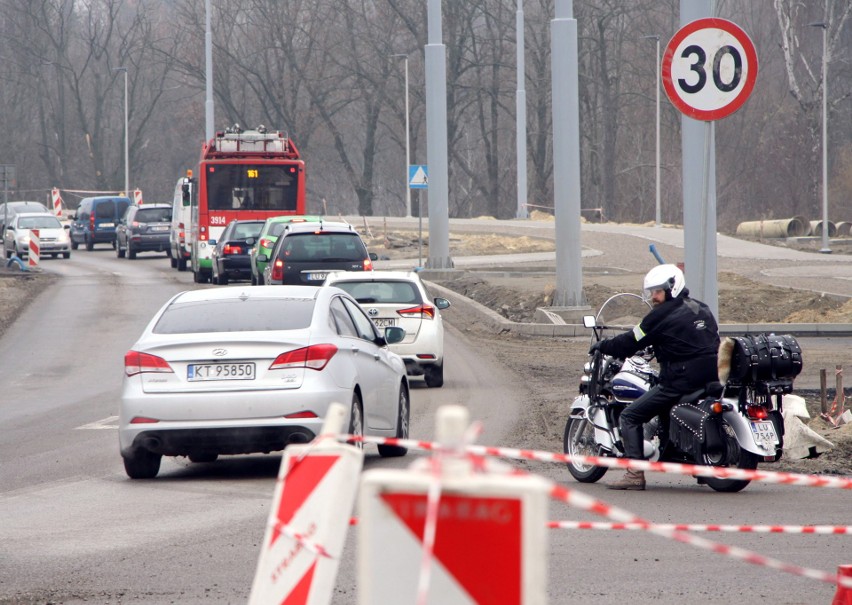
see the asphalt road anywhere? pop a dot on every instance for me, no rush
(74, 529)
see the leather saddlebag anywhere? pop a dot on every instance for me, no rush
(694, 430)
(763, 358)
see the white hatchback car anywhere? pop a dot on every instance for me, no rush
(399, 298)
(53, 237)
(241, 370)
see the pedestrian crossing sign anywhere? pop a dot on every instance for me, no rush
(418, 177)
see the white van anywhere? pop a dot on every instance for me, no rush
(179, 245)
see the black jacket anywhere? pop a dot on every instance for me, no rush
(685, 338)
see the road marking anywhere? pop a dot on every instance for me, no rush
(104, 423)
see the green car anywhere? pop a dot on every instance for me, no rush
(266, 241)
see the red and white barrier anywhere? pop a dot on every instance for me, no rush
(308, 520)
(843, 596)
(34, 248)
(57, 202)
(137, 197)
(453, 530)
(625, 519)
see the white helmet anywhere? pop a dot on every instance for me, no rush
(664, 277)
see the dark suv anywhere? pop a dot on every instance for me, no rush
(306, 252)
(144, 228)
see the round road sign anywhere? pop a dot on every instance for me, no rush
(709, 69)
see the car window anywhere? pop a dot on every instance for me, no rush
(345, 326)
(106, 210)
(154, 215)
(246, 230)
(365, 326)
(236, 315)
(39, 222)
(390, 292)
(311, 247)
(276, 228)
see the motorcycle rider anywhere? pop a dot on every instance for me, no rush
(685, 338)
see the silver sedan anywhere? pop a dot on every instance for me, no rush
(243, 370)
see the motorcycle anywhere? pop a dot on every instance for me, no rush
(736, 423)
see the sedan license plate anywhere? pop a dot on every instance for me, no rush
(196, 372)
(317, 276)
(106, 225)
(384, 322)
(160, 228)
(764, 434)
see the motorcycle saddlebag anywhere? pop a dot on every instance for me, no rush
(694, 430)
(765, 358)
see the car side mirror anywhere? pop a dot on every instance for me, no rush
(589, 321)
(374, 256)
(261, 258)
(394, 334)
(441, 303)
(250, 241)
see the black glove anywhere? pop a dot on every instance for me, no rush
(595, 347)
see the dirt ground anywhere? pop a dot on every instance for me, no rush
(550, 368)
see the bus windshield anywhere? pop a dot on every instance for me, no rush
(252, 187)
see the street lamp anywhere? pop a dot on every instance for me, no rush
(825, 249)
(407, 143)
(126, 137)
(657, 165)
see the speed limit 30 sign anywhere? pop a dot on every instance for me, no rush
(709, 69)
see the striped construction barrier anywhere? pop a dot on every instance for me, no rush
(137, 197)
(34, 248)
(57, 202)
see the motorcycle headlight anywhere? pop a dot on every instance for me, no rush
(587, 367)
(585, 379)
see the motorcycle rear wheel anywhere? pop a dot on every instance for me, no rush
(579, 440)
(744, 460)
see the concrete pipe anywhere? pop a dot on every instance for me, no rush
(844, 228)
(796, 226)
(816, 229)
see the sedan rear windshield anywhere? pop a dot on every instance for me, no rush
(324, 246)
(236, 315)
(390, 292)
(153, 215)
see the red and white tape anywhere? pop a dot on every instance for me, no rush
(702, 527)
(617, 514)
(625, 463)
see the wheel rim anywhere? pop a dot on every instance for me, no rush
(581, 442)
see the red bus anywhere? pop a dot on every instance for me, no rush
(242, 174)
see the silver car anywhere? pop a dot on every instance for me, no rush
(242, 370)
(399, 298)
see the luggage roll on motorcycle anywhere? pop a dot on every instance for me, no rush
(735, 423)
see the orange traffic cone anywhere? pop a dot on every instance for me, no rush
(843, 596)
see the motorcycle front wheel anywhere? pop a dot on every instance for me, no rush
(735, 456)
(579, 440)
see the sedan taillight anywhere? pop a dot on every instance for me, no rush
(266, 243)
(423, 311)
(368, 264)
(141, 363)
(232, 249)
(314, 357)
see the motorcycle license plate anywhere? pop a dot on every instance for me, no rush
(764, 434)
